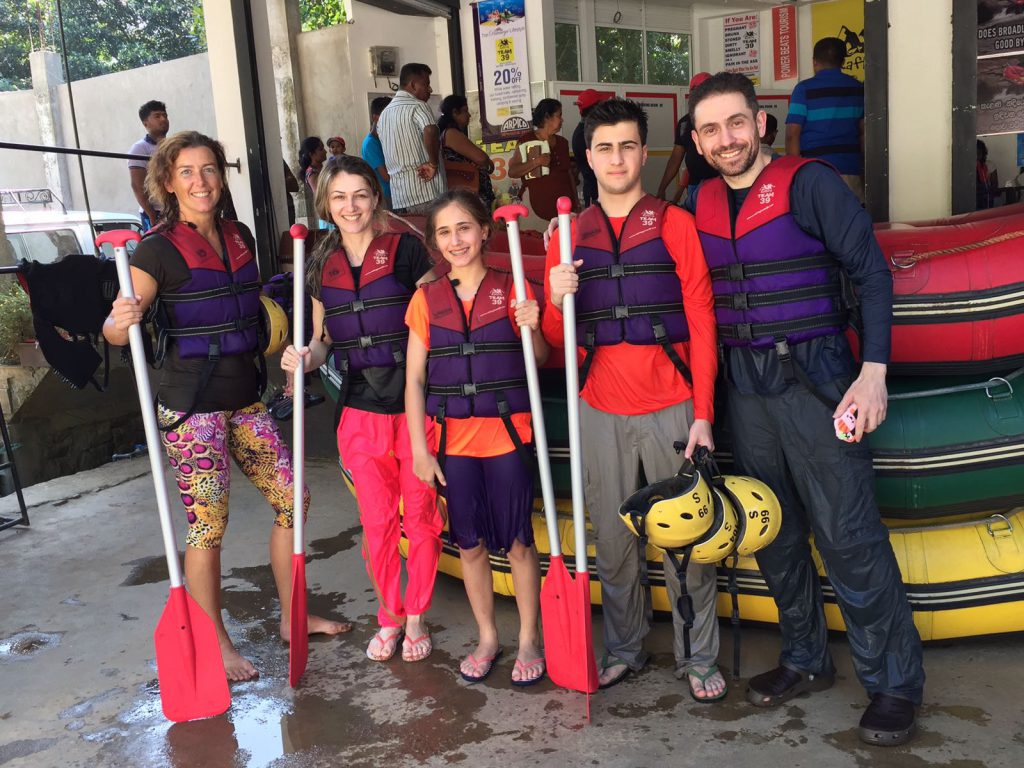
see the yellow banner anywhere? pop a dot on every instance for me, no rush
(843, 19)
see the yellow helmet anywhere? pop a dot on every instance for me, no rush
(275, 324)
(674, 512)
(758, 510)
(720, 539)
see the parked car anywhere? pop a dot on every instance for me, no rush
(46, 236)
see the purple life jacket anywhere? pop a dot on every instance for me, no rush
(774, 284)
(474, 368)
(366, 324)
(629, 289)
(216, 313)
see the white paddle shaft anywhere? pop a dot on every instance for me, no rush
(153, 444)
(540, 438)
(572, 400)
(298, 393)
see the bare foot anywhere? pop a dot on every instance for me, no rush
(706, 683)
(477, 665)
(238, 668)
(384, 644)
(317, 625)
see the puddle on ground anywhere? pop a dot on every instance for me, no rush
(23, 748)
(147, 570)
(25, 645)
(324, 549)
(85, 706)
(975, 715)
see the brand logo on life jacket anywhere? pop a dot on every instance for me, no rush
(334, 272)
(497, 296)
(648, 218)
(380, 257)
(766, 194)
(240, 245)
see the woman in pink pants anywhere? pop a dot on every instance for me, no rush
(361, 278)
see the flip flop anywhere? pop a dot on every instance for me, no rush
(477, 663)
(411, 643)
(702, 678)
(613, 661)
(388, 645)
(524, 668)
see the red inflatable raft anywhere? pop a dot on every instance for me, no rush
(959, 294)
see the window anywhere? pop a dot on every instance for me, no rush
(567, 51)
(620, 55)
(668, 58)
(44, 247)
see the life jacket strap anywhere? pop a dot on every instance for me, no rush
(739, 271)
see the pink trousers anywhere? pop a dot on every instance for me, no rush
(376, 451)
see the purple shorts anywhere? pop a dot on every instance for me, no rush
(489, 500)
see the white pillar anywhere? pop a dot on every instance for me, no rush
(47, 76)
(920, 117)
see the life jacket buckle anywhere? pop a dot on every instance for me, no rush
(616, 270)
(739, 301)
(737, 272)
(468, 390)
(744, 332)
(467, 348)
(782, 349)
(357, 305)
(620, 312)
(365, 342)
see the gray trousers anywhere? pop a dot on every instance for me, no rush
(614, 448)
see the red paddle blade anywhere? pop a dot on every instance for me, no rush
(298, 647)
(568, 647)
(189, 666)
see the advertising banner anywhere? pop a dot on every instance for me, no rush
(743, 45)
(1000, 28)
(502, 68)
(784, 38)
(843, 19)
(1000, 94)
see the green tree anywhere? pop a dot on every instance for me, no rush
(317, 14)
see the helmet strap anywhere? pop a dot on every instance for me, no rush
(684, 603)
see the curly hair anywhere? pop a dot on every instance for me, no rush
(161, 168)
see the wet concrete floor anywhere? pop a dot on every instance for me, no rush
(81, 591)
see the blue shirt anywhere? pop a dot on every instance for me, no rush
(373, 153)
(829, 107)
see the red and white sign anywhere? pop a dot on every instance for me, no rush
(743, 45)
(784, 32)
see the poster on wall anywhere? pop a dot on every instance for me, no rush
(784, 41)
(743, 45)
(1000, 95)
(662, 115)
(502, 68)
(1000, 28)
(843, 19)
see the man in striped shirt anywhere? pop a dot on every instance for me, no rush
(826, 115)
(407, 129)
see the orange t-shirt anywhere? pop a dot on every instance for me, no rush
(477, 436)
(630, 380)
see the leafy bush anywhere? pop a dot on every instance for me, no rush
(15, 320)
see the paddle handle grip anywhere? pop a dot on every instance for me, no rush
(572, 396)
(540, 438)
(156, 452)
(298, 233)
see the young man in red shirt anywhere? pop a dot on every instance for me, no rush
(647, 375)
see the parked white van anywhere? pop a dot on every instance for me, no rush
(46, 236)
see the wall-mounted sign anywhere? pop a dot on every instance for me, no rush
(502, 68)
(1000, 28)
(743, 45)
(843, 19)
(784, 38)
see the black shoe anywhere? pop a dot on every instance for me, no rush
(888, 721)
(781, 684)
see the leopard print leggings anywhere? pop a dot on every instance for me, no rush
(198, 451)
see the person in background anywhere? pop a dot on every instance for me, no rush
(291, 186)
(987, 179)
(771, 132)
(826, 115)
(153, 115)
(373, 152)
(407, 129)
(336, 146)
(547, 174)
(312, 155)
(585, 102)
(453, 128)
(684, 150)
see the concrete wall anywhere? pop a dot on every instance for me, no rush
(106, 108)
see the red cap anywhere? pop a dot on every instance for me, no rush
(337, 139)
(699, 78)
(590, 97)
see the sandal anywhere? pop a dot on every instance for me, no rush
(410, 646)
(483, 667)
(702, 677)
(388, 644)
(777, 686)
(607, 662)
(527, 677)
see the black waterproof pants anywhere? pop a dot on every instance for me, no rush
(826, 488)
